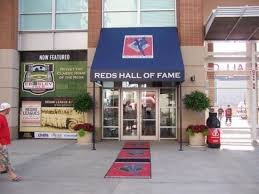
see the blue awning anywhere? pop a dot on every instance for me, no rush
(138, 54)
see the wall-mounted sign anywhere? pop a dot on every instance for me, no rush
(227, 67)
(138, 46)
(49, 81)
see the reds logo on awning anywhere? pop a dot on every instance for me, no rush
(138, 46)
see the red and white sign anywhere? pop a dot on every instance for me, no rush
(138, 46)
(31, 113)
(214, 136)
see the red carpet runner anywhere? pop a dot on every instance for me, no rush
(133, 161)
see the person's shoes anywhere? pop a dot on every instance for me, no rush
(16, 179)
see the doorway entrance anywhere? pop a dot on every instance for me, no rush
(139, 114)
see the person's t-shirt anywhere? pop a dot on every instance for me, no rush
(228, 112)
(4, 131)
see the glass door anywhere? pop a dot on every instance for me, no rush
(148, 114)
(139, 115)
(130, 111)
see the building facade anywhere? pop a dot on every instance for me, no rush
(59, 38)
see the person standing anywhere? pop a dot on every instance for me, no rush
(228, 114)
(5, 140)
(220, 113)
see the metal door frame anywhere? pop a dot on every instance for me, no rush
(139, 136)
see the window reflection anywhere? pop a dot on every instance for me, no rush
(168, 132)
(110, 113)
(110, 98)
(167, 100)
(167, 117)
(110, 132)
(132, 13)
(130, 127)
(148, 127)
(148, 101)
(110, 117)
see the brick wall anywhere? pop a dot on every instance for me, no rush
(190, 22)
(8, 24)
(94, 22)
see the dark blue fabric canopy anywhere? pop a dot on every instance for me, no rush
(138, 54)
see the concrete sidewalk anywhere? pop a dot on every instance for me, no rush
(63, 167)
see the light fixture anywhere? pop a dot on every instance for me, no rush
(192, 78)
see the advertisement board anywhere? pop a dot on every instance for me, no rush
(48, 82)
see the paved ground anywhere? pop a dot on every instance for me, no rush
(63, 167)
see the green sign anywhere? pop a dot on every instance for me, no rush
(48, 81)
(53, 78)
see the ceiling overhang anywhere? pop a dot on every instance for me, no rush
(233, 23)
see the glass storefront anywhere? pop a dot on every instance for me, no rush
(110, 113)
(139, 112)
(167, 113)
(232, 77)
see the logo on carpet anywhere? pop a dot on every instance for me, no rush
(133, 168)
(135, 152)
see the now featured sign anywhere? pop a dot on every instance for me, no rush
(48, 82)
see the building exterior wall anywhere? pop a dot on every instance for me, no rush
(95, 22)
(94, 27)
(191, 17)
(29, 41)
(98, 105)
(190, 24)
(193, 58)
(190, 29)
(9, 61)
(8, 24)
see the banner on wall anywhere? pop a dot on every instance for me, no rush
(48, 82)
(31, 113)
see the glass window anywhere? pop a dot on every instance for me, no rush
(110, 116)
(121, 19)
(71, 5)
(111, 98)
(71, 21)
(110, 113)
(35, 22)
(231, 46)
(132, 13)
(120, 5)
(168, 133)
(41, 15)
(167, 100)
(161, 18)
(231, 92)
(32, 6)
(151, 4)
(129, 85)
(167, 117)
(110, 132)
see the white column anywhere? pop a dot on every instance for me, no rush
(254, 90)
